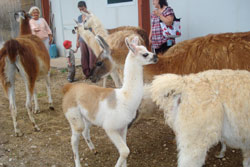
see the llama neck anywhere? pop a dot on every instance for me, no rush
(133, 78)
(25, 27)
(99, 30)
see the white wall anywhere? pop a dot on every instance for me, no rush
(202, 17)
(111, 16)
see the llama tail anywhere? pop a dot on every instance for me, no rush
(165, 87)
(12, 47)
(66, 88)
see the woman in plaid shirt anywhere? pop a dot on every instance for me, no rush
(162, 13)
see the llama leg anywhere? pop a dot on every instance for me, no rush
(74, 143)
(123, 133)
(222, 151)
(191, 155)
(36, 102)
(51, 107)
(10, 91)
(104, 82)
(246, 158)
(122, 147)
(29, 107)
(11, 95)
(86, 134)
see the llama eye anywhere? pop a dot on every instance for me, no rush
(99, 63)
(145, 55)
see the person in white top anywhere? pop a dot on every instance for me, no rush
(39, 26)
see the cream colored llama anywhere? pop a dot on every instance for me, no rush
(115, 39)
(205, 108)
(27, 55)
(111, 109)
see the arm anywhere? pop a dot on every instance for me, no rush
(69, 62)
(150, 36)
(75, 50)
(48, 31)
(168, 20)
(77, 41)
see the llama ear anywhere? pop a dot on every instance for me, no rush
(131, 46)
(103, 44)
(135, 40)
(85, 14)
(76, 21)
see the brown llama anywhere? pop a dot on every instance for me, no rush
(27, 55)
(214, 51)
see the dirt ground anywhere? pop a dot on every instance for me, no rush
(151, 142)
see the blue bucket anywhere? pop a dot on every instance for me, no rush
(53, 51)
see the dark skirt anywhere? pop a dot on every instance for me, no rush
(88, 59)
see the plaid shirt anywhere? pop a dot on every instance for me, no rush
(157, 38)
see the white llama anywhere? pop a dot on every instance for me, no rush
(206, 108)
(111, 109)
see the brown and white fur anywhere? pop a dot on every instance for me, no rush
(27, 55)
(206, 108)
(111, 109)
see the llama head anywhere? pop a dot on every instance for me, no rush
(78, 27)
(140, 52)
(21, 15)
(89, 20)
(104, 63)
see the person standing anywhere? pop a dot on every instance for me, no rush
(39, 26)
(162, 13)
(88, 58)
(70, 59)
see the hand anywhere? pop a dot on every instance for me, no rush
(157, 12)
(70, 64)
(75, 50)
(77, 44)
(50, 40)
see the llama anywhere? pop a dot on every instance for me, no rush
(93, 44)
(218, 51)
(111, 109)
(205, 108)
(113, 41)
(27, 55)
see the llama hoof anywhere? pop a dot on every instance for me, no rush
(37, 129)
(36, 111)
(51, 108)
(220, 155)
(18, 133)
(95, 152)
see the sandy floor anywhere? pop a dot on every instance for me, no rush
(151, 142)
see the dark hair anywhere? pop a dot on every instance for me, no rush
(82, 4)
(163, 3)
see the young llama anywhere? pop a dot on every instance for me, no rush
(27, 55)
(111, 109)
(205, 108)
